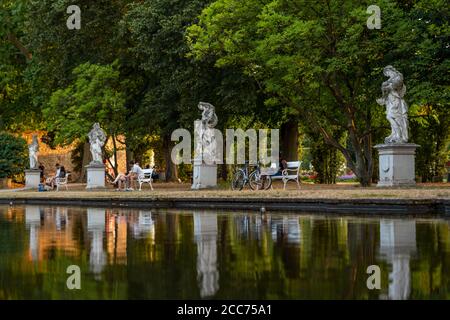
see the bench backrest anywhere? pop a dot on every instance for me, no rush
(294, 164)
(63, 180)
(146, 174)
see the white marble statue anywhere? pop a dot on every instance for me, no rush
(396, 108)
(208, 140)
(33, 149)
(97, 139)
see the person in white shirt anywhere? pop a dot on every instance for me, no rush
(52, 180)
(135, 171)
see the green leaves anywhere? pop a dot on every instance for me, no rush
(94, 96)
(321, 59)
(13, 155)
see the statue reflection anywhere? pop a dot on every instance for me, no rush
(96, 227)
(397, 243)
(33, 222)
(286, 229)
(144, 226)
(205, 231)
(61, 218)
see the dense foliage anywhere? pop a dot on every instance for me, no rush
(141, 67)
(13, 155)
(321, 61)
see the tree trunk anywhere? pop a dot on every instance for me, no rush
(171, 168)
(116, 165)
(289, 140)
(224, 172)
(87, 158)
(129, 157)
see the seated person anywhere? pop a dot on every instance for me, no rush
(126, 181)
(42, 168)
(62, 172)
(51, 180)
(281, 166)
(134, 174)
(121, 181)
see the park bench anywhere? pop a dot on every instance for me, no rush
(62, 181)
(145, 177)
(291, 173)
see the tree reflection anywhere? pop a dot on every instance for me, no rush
(138, 254)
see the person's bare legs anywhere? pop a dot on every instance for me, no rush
(133, 178)
(123, 182)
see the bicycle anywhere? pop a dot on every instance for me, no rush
(256, 180)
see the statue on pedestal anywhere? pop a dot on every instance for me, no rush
(208, 123)
(396, 108)
(97, 139)
(206, 153)
(396, 155)
(33, 149)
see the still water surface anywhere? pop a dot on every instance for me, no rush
(142, 254)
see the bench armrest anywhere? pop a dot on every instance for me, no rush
(286, 171)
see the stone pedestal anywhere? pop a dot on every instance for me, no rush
(397, 164)
(204, 176)
(32, 178)
(95, 177)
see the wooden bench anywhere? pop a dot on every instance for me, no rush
(291, 173)
(62, 182)
(145, 177)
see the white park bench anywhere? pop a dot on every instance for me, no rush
(292, 173)
(62, 182)
(145, 177)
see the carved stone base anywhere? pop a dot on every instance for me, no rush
(397, 164)
(204, 176)
(95, 177)
(32, 178)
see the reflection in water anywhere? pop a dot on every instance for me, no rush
(144, 226)
(61, 218)
(33, 220)
(286, 228)
(397, 243)
(116, 237)
(139, 254)
(96, 226)
(205, 231)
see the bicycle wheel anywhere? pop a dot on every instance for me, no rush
(238, 181)
(260, 182)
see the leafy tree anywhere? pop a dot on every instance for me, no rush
(171, 83)
(431, 127)
(320, 60)
(15, 110)
(13, 155)
(94, 96)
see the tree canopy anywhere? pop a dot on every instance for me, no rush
(321, 61)
(141, 67)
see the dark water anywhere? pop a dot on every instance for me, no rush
(137, 254)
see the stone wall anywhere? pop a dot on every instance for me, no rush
(63, 155)
(49, 157)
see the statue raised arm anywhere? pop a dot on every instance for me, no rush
(208, 139)
(393, 91)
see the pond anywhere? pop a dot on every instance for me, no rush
(167, 254)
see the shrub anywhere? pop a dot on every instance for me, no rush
(13, 155)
